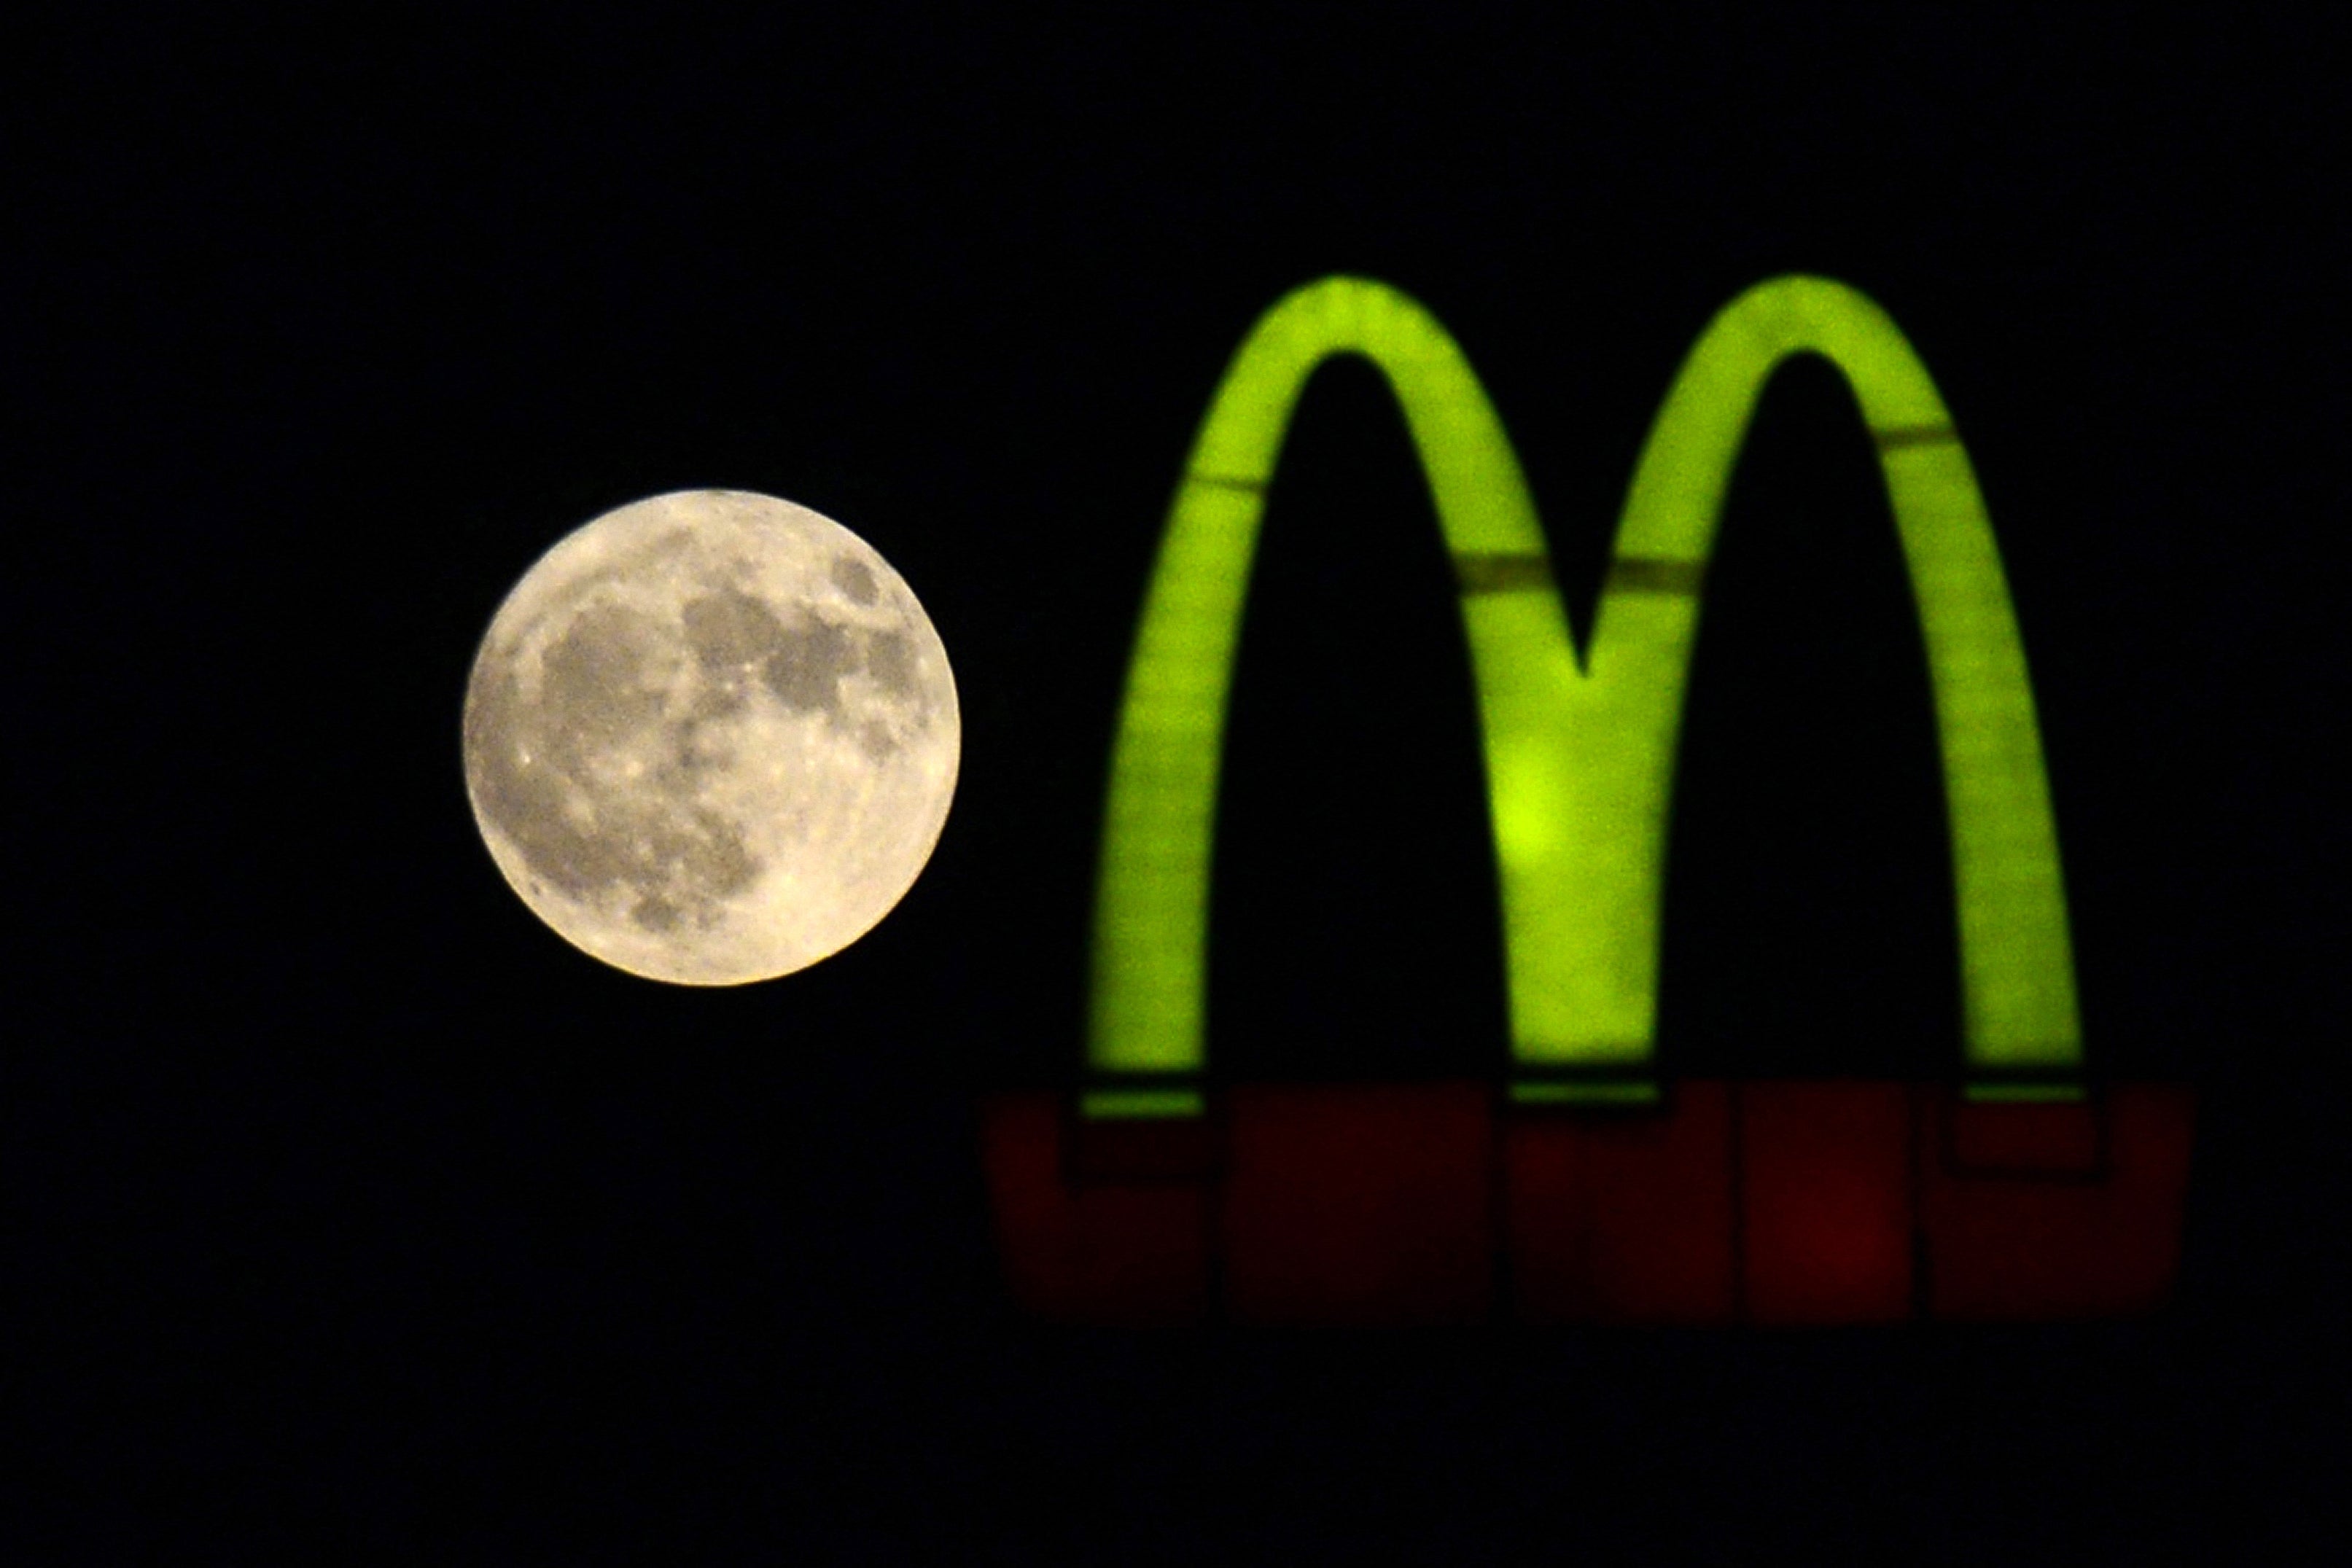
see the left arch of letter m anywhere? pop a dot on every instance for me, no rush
(1579, 1187)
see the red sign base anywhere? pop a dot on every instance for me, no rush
(1763, 1203)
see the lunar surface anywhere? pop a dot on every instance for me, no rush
(711, 737)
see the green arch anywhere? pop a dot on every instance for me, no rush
(1579, 757)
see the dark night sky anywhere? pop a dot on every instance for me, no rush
(354, 1205)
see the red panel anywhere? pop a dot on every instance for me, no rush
(1129, 1149)
(2007, 1240)
(2018, 1138)
(1126, 1250)
(1360, 1203)
(1827, 1219)
(1622, 1216)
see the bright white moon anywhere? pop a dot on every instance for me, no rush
(711, 737)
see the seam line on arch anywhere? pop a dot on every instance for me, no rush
(1502, 572)
(1895, 437)
(1654, 574)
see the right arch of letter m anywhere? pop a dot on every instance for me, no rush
(1579, 1187)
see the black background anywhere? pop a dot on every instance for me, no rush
(354, 1208)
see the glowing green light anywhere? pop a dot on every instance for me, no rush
(1541, 1093)
(2021, 1093)
(1579, 756)
(1151, 916)
(1141, 1102)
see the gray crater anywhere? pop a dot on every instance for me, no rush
(856, 579)
(729, 629)
(805, 669)
(593, 686)
(890, 660)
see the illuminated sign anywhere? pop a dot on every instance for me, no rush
(1584, 1187)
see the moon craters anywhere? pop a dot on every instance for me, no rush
(594, 686)
(595, 791)
(711, 737)
(735, 636)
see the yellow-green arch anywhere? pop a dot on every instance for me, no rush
(1152, 908)
(1578, 759)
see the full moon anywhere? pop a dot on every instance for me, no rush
(711, 737)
